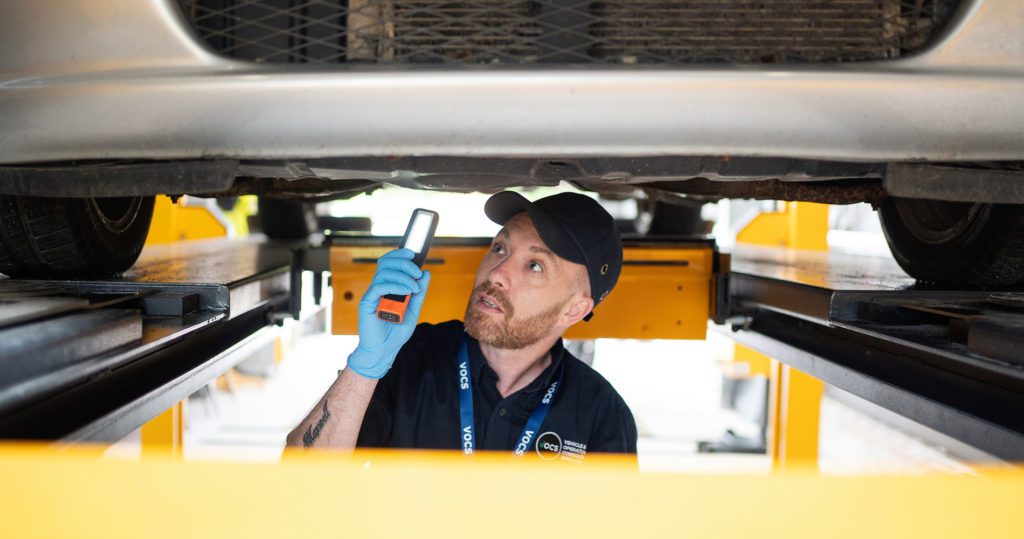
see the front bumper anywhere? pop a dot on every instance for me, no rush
(86, 98)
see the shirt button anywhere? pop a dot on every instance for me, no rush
(501, 411)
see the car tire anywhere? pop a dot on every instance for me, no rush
(657, 218)
(956, 243)
(72, 237)
(283, 219)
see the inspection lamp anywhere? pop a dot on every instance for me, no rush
(418, 236)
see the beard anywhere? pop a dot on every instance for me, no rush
(510, 333)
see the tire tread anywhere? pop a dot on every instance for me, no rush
(58, 238)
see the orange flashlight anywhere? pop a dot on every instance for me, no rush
(418, 236)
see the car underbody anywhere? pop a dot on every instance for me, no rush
(703, 179)
(833, 102)
(912, 106)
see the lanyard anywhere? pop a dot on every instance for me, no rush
(467, 436)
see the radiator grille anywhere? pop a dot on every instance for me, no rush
(565, 32)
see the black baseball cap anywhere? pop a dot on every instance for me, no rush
(573, 226)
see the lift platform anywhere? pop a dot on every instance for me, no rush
(94, 360)
(951, 360)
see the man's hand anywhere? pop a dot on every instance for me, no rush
(380, 341)
(336, 419)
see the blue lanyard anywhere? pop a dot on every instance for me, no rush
(467, 436)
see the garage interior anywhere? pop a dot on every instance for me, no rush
(826, 375)
(818, 329)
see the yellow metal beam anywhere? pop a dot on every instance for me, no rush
(794, 413)
(662, 293)
(401, 494)
(770, 229)
(808, 226)
(758, 364)
(176, 222)
(164, 434)
(800, 225)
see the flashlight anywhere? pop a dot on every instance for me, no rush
(418, 236)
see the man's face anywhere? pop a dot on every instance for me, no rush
(523, 292)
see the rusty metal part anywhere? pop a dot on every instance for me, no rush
(314, 189)
(828, 192)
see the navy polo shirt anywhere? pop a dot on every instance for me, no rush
(416, 404)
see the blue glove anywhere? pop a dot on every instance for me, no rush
(380, 341)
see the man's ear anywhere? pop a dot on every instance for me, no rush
(578, 307)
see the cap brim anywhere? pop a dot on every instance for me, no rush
(505, 205)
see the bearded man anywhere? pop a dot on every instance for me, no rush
(501, 380)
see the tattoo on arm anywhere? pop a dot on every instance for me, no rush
(313, 432)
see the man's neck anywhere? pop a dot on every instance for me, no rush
(517, 368)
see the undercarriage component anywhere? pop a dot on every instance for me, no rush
(999, 183)
(118, 179)
(825, 192)
(286, 219)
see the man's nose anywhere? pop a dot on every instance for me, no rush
(498, 275)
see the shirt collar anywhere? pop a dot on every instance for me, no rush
(546, 377)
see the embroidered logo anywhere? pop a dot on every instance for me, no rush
(551, 446)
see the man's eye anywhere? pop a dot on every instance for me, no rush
(536, 267)
(498, 248)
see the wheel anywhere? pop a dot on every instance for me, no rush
(71, 237)
(283, 219)
(656, 218)
(956, 243)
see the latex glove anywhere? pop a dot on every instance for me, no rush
(380, 341)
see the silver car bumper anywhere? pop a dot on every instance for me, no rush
(125, 79)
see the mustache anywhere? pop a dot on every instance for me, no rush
(496, 294)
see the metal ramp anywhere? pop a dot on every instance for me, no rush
(952, 360)
(93, 360)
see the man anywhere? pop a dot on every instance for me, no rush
(502, 379)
